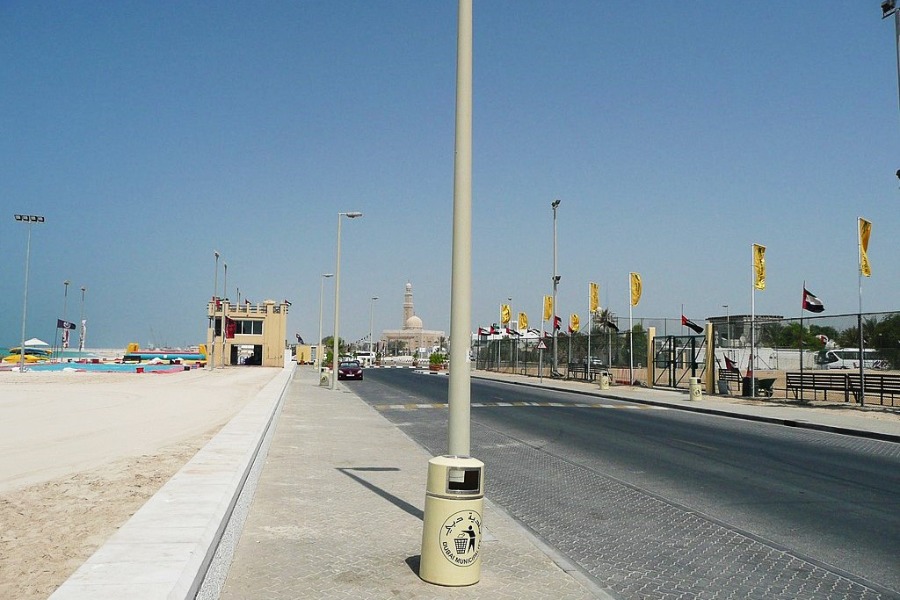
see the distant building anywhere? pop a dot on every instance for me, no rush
(255, 334)
(412, 336)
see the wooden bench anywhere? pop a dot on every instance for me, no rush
(821, 381)
(878, 383)
(730, 377)
(580, 371)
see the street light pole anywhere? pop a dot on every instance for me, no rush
(555, 205)
(224, 309)
(337, 297)
(319, 346)
(371, 324)
(211, 359)
(30, 220)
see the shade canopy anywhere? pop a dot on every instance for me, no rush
(36, 342)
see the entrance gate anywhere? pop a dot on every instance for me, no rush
(677, 358)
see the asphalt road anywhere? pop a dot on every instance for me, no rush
(657, 503)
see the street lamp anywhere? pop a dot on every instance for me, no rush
(211, 359)
(30, 220)
(556, 278)
(889, 8)
(727, 323)
(337, 296)
(371, 322)
(319, 346)
(224, 309)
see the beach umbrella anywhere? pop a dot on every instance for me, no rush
(36, 342)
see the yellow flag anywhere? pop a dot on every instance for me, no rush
(504, 314)
(865, 230)
(594, 302)
(636, 288)
(759, 267)
(523, 321)
(574, 323)
(548, 307)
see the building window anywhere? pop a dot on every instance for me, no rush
(249, 327)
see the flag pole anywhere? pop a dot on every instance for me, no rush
(630, 336)
(752, 322)
(859, 324)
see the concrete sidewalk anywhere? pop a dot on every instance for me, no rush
(338, 514)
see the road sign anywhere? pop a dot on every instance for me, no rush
(541, 345)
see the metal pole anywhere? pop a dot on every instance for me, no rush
(224, 310)
(459, 393)
(319, 346)
(371, 324)
(337, 298)
(30, 219)
(211, 359)
(555, 205)
(65, 335)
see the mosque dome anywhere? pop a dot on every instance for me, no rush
(413, 322)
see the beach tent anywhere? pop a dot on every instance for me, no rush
(35, 342)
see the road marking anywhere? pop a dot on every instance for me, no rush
(433, 405)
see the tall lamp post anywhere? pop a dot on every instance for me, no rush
(556, 278)
(30, 220)
(319, 346)
(211, 359)
(337, 296)
(889, 8)
(65, 320)
(371, 324)
(224, 308)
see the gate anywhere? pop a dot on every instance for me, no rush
(678, 357)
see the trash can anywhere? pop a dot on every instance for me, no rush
(451, 533)
(324, 379)
(723, 387)
(746, 387)
(695, 388)
(604, 380)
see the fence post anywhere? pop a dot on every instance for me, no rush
(651, 364)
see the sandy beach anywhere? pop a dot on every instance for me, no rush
(81, 452)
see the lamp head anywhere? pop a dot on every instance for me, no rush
(353, 215)
(327, 274)
(555, 203)
(887, 8)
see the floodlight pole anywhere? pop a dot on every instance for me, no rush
(555, 205)
(371, 324)
(211, 359)
(224, 309)
(30, 219)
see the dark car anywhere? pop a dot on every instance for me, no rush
(350, 369)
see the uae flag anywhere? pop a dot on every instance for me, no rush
(730, 366)
(611, 325)
(691, 325)
(557, 322)
(811, 303)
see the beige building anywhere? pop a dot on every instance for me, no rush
(255, 333)
(412, 337)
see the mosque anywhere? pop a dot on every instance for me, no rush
(412, 338)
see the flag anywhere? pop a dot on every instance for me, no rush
(60, 324)
(482, 331)
(612, 326)
(65, 338)
(504, 314)
(512, 332)
(731, 366)
(523, 321)
(691, 325)
(574, 323)
(230, 327)
(759, 267)
(548, 307)
(82, 335)
(594, 300)
(811, 303)
(865, 230)
(557, 322)
(636, 288)
(494, 329)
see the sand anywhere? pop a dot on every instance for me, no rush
(80, 453)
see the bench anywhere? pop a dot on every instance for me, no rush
(580, 371)
(824, 382)
(878, 383)
(729, 377)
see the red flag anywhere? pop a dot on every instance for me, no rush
(731, 366)
(557, 322)
(230, 327)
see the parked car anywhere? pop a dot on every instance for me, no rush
(350, 369)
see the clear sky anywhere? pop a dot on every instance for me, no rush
(150, 134)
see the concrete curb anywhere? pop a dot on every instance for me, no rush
(167, 547)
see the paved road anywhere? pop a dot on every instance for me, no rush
(665, 504)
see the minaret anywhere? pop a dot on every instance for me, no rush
(407, 304)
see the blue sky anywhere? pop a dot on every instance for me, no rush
(675, 136)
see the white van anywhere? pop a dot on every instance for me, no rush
(848, 358)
